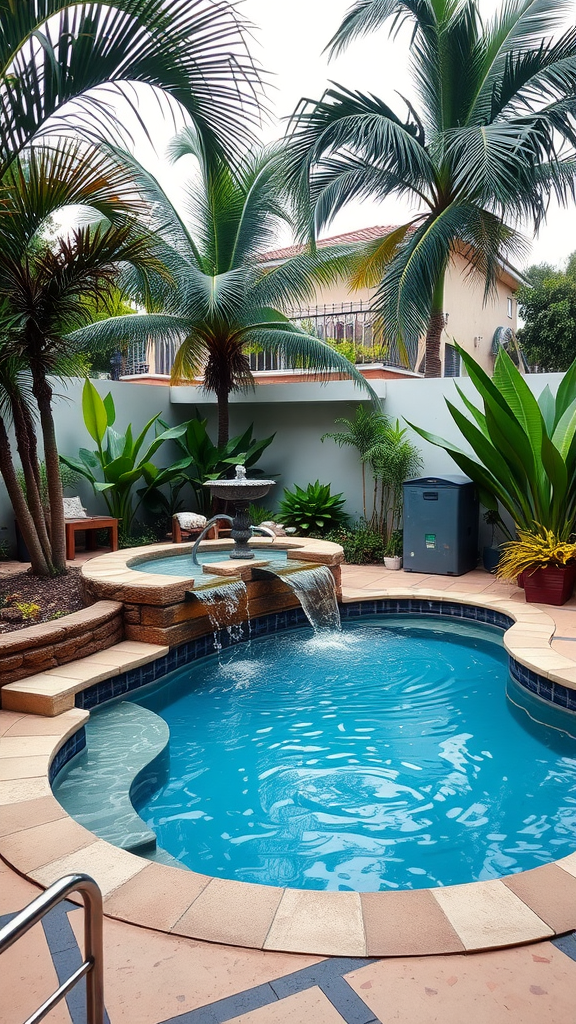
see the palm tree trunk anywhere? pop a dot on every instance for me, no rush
(40, 566)
(29, 461)
(436, 324)
(223, 416)
(43, 396)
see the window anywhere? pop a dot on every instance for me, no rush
(451, 361)
(509, 301)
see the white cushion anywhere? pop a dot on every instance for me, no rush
(190, 520)
(73, 508)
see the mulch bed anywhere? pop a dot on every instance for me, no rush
(56, 596)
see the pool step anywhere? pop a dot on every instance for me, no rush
(52, 692)
(125, 759)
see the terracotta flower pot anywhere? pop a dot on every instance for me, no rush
(551, 585)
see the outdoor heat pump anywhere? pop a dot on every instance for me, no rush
(440, 525)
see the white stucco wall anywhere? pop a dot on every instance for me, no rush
(297, 454)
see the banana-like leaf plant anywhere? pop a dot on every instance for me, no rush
(524, 448)
(208, 461)
(121, 459)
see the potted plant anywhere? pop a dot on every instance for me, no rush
(491, 552)
(548, 565)
(393, 551)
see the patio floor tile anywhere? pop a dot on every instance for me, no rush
(312, 1006)
(525, 985)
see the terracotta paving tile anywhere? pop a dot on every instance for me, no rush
(486, 914)
(326, 922)
(565, 647)
(34, 725)
(406, 923)
(550, 893)
(27, 978)
(19, 816)
(156, 897)
(26, 746)
(15, 892)
(8, 719)
(568, 864)
(525, 985)
(151, 977)
(108, 865)
(17, 790)
(309, 1007)
(236, 912)
(33, 847)
(22, 767)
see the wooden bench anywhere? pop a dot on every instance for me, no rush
(89, 524)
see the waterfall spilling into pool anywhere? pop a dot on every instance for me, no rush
(226, 606)
(316, 591)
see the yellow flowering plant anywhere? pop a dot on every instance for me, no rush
(534, 550)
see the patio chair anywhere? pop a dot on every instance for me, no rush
(187, 525)
(77, 520)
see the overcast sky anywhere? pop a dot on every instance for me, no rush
(288, 39)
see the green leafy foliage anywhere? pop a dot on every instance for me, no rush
(394, 547)
(486, 137)
(314, 510)
(362, 544)
(207, 461)
(524, 448)
(120, 459)
(548, 308)
(257, 514)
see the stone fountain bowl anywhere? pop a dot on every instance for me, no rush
(240, 489)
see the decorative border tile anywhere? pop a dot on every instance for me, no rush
(73, 745)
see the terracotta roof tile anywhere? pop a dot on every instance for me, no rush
(362, 235)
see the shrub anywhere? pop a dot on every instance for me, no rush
(534, 551)
(314, 510)
(258, 514)
(362, 544)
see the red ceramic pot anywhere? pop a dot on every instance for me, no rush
(552, 585)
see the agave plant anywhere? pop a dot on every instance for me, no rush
(314, 510)
(524, 448)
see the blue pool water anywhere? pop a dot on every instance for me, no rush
(182, 565)
(398, 754)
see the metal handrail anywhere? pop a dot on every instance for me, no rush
(93, 966)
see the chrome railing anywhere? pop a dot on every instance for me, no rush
(93, 966)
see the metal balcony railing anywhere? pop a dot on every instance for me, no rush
(92, 967)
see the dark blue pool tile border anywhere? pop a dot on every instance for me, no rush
(553, 693)
(73, 745)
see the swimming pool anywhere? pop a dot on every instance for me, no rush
(182, 564)
(398, 754)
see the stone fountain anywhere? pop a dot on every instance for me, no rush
(241, 491)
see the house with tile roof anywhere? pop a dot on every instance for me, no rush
(477, 326)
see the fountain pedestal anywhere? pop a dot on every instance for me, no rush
(241, 491)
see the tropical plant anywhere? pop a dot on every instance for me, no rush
(393, 458)
(547, 305)
(362, 544)
(44, 285)
(314, 510)
(523, 448)
(394, 544)
(257, 514)
(121, 459)
(534, 549)
(59, 61)
(491, 136)
(208, 461)
(362, 434)
(220, 299)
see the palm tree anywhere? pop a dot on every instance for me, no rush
(493, 136)
(62, 62)
(44, 288)
(221, 300)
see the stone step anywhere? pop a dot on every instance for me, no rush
(52, 692)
